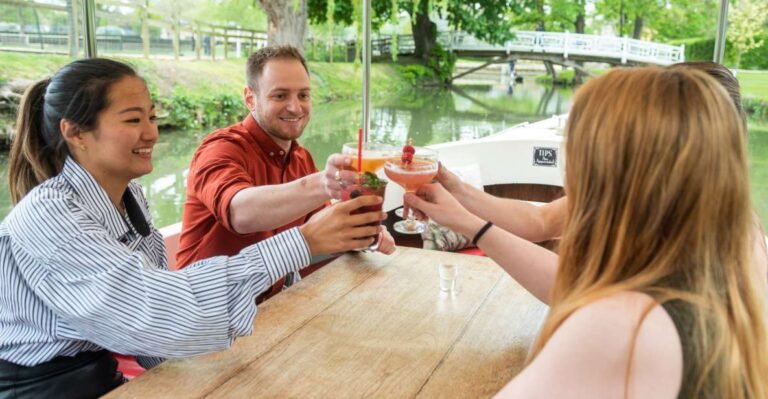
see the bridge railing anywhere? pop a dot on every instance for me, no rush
(563, 43)
(383, 45)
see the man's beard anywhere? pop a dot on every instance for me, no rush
(274, 131)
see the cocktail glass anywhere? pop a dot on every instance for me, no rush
(374, 155)
(412, 175)
(365, 184)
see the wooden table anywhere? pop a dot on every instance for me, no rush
(369, 325)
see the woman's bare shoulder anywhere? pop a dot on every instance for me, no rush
(589, 354)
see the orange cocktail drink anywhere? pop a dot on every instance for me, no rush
(374, 155)
(370, 163)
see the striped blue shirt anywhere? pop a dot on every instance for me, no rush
(76, 276)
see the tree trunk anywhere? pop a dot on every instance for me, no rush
(198, 41)
(579, 24)
(20, 11)
(226, 44)
(287, 26)
(175, 39)
(213, 45)
(622, 19)
(541, 25)
(638, 27)
(424, 31)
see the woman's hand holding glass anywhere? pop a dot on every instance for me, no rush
(434, 201)
(415, 167)
(334, 229)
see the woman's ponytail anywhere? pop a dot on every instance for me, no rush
(31, 160)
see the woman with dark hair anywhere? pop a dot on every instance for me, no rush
(82, 269)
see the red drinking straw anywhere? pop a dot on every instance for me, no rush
(360, 150)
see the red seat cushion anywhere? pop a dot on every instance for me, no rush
(128, 366)
(472, 251)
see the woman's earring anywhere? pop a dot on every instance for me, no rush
(82, 147)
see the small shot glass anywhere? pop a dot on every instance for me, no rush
(448, 273)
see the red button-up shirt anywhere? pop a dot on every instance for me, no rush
(229, 160)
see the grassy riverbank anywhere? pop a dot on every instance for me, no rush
(193, 94)
(754, 84)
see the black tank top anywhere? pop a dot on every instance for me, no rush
(683, 316)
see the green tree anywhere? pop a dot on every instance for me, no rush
(568, 15)
(245, 14)
(746, 20)
(551, 15)
(177, 11)
(485, 19)
(700, 18)
(530, 15)
(638, 13)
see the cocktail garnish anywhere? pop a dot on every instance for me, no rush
(407, 158)
(371, 180)
(408, 152)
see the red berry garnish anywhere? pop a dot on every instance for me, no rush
(409, 149)
(407, 157)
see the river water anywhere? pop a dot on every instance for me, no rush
(427, 116)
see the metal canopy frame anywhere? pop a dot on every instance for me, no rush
(366, 68)
(722, 25)
(89, 28)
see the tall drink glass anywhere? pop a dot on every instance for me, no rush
(421, 170)
(365, 184)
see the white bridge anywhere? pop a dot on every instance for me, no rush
(556, 47)
(571, 45)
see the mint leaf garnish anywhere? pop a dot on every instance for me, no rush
(371, 180)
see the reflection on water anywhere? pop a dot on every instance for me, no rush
(426, 116)
(433, 116)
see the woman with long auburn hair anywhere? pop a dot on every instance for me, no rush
(655, 293)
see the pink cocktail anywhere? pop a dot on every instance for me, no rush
(412, 172)
(411, 176)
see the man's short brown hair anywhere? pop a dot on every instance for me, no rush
(260, 58)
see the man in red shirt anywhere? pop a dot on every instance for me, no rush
(252, 180)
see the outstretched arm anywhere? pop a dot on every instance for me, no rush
(525, 220)
(531, 265)
(263, 208)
